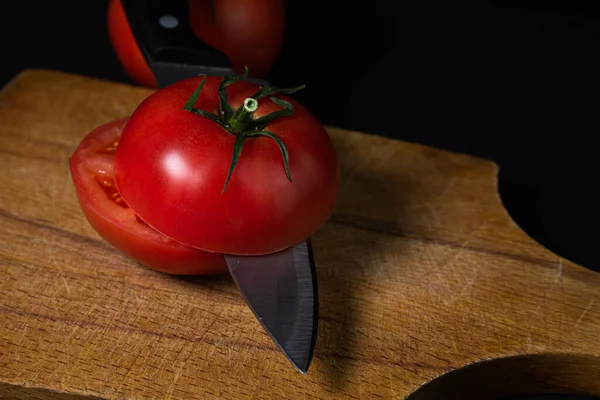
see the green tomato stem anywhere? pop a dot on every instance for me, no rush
(241, 122)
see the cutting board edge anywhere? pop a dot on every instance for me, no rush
(37, 73)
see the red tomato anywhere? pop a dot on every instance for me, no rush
(249, 32)
(171, 166)
(126, 47)
(92, 172)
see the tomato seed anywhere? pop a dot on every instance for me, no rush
(104, 182)
(108, 185)
(111, 148)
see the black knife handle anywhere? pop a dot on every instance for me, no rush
(164, 34)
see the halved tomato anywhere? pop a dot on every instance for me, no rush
(92, 172)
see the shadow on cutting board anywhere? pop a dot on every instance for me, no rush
(347, 261)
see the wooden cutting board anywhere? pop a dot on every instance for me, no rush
(421, 273)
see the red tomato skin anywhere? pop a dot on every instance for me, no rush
(171, 166)
(250, 32)
(125, 46)
(139, 242)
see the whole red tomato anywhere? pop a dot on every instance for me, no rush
(125, 45)
(226, 166)
(92, 171)
(250, 33)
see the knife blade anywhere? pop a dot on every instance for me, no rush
(279, 288)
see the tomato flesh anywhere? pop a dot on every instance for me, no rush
(92, 171)
(171, 166)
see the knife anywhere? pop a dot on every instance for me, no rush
(279, 288)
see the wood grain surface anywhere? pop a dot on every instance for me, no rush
(421, 273)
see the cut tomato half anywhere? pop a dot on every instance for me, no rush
(92, 171)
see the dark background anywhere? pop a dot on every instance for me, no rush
(512, 81)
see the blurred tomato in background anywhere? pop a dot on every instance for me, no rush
(250, 33)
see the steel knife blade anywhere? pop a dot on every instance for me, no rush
(280, 288)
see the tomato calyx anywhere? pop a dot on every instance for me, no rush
(241, 122)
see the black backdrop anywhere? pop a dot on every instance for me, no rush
(512, 81)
